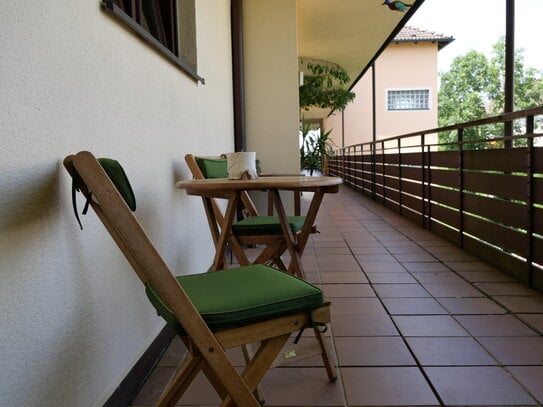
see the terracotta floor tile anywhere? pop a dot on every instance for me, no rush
(400, 290)
(328, 243)
(411, 248)
(455, 351)
(353, 277)
(413, 306)
(300, 386)
(485, 276)
(334, 250)
(380, 267)
(373, 351)
(531, 377)
(154, 386)
(174, 353)
(357, 306)
(399, 278)
(426, 267)
(375, 258)
(368, 251)
(428, 325)
(347, 290)
(473, 386)
(456, 256)
(415, 258)
(438, 277)
(463, 306)
(355, 242)
(525, 304)
(516, 350)
(362, 325)
(387, 386)
(337, 262)
(468, 265)
(494, 325)
(533, 320)
(505, 288)
(455, 290)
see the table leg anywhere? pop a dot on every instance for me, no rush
(295, 266)
(226, 227)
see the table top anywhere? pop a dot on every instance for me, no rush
(225, 185)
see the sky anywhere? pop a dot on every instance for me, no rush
(478, 24)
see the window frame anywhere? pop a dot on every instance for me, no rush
(419, 89)
(120, 15)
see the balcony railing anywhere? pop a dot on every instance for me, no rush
(484, 195)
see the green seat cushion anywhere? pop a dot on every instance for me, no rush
(266, 225)
(213, 167)
(238, 296)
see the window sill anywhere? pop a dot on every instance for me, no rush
(127, 21)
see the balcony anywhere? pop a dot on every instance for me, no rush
(415, 321)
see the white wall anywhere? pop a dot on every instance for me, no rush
(74, 315)
(271, 85)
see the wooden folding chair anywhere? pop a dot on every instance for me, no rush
(211, 312)
(254, 229)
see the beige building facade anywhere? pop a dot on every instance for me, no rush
(405, 92)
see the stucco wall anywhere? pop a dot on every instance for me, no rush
(74, 316)
(271, 87)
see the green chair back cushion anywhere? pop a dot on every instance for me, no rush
(242, 295)
(265, 225)
(116, 173)
(213, 167)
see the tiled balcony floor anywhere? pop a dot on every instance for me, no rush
(415, 322)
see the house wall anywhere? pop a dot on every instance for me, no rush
(400, 66)
(271, 86)
(74, 315)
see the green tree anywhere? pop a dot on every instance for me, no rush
(472, 89)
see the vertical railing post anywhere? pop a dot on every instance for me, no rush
(460, 141)
(400, 190)
(530, 168)
(423, 179)
(429, 173)
(355, 166)
(383, 182)
(373, 169)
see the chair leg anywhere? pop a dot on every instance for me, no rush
(248, 354)
(330, 371)
(181, 381)
(259, 364)
(272, 253)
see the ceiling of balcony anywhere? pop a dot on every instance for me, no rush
(349, 33)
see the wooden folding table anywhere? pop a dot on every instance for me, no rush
(231, 189)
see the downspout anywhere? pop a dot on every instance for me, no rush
(509, 88)
(373, 101)
(238, 84)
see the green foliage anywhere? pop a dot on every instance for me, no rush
(325, 87)
(315, 149)
(473, 89)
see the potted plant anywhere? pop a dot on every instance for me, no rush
(316, 149)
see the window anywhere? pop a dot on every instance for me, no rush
(157, 17)
(167, 25)
(411, 99)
